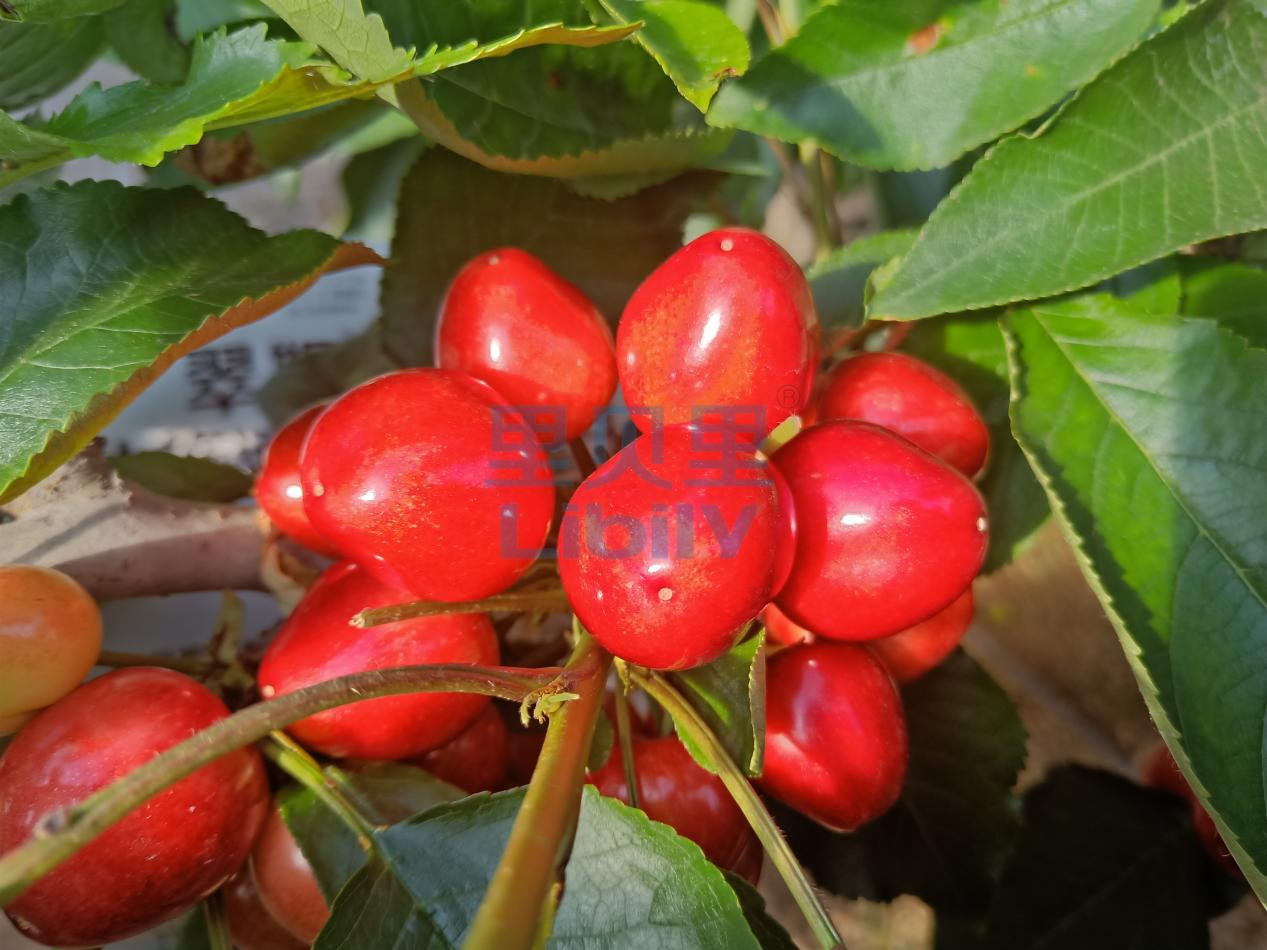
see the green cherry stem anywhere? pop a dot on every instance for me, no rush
(551, 599)
(191, 665)
(217, 920)
(518, 897)
(749, 802)
(625, 738)
(295, 761)
(61, 834)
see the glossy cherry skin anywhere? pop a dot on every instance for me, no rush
(673, 544)
(50, 637)
(835, 744)
(888, 535)
(161, 859)
(477, 759)
(278, 489)
(727, 321)
(251, 924)
(317, 643)
(286, 884)
(673, 789)
(428, 478)
(918, 649)
(1161, 771)
(918, 402)
(517, 325)
(782, 629)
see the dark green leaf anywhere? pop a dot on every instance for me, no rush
(1146, 431)
(729, 694)
(37, 59)
(630, 882)
(48, 11)
(916, 84)
(371, 184)
(839, 280)
(770, 934)
(946, 839)
(1101, 864)
(1164, 149)
(695, 43)
(142, 33)
(194, 934)
(601, 744)
(184, 476)
(1233, 294)
(103, 287)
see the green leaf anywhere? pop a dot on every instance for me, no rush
(729, 694)
(37, 59)
(384, 792)
(770, 934)
(630, 882)
(946, 839)
(970, 349)
(916, 84)
(1233, 294)
(1165, 149)
(48, 11)
(1146, 431)
(695, 43)
(140, 32)
(1101, 864)
(103, 287)
(839, 280)
(184, 476)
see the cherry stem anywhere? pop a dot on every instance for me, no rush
(549, 601)
(625, 738)
(219, 937)
(295, 761)
(62, 833)
(749, 802)
(190, 665)
(519, 895)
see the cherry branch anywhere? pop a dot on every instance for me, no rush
(550, 600)
(62, 833)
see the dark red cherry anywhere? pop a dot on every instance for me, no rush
(916, 650)
(428, 478)
(888, 535)
(251, 924)
(517, 325)
(285, 881)
(673, 544)
(913, 399)
(727, 323)
(835, 744)
(278, 490)
(318, 643)
(1161, 771)
(673, 789)
(161, 859)
(475, 760)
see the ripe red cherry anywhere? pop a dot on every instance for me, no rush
(694, 802)
(911, 398)
(318, 643)
(1161, 771)
(285, 881)
(162, 858)
(429, 479)
(251, 924)
(887, 534)
(50, 636)
(278, 490)
(835, 734)
(780, 628)
(674, 543)
(517, 325)
(916, 650)
(477, 759)
(728, 321)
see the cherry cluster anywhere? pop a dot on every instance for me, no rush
(856, 542)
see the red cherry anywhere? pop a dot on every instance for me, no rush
(162, 858)
(780, 628)
(835, 734)
(911, 398)
(317, 642)
(673, 544)
(888, 535)
(278, 490)
(477, 759)
(916, 650)
(517, 325)
(285, 881)
(250, 923)
(1161, 771)
(673, 789)
(728, 321)
(430, 480)
(524, 747)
